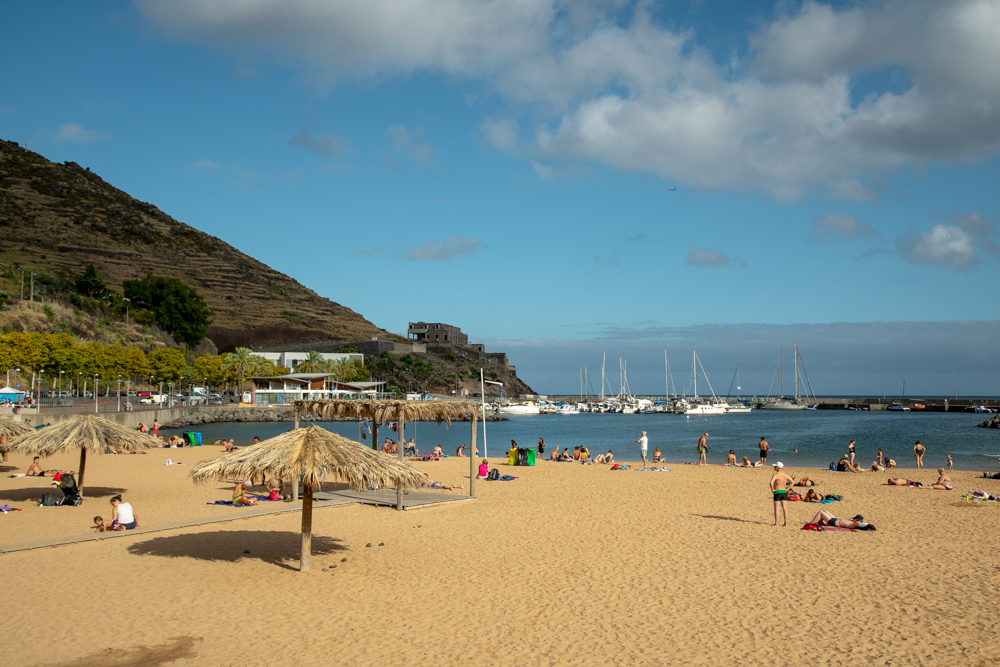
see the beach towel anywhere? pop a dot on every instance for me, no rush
(619, 466)
(653, 470)
(272, 500)
(816, 526)
(8, 508)
(227, 502)
(507, 478)
(981, 496)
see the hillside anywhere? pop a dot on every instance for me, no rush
(56, 218)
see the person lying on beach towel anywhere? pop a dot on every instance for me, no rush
(605, 458)
(812, 497)
(899, 481)
(981, 496)
(987, 475)
(805, 481)
(824, 518)
(440, 485)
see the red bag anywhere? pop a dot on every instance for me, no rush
(811, 526)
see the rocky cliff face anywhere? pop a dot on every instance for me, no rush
(61, 217)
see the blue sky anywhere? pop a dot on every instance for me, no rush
(833, 163)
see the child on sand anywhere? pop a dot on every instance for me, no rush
(103, 525)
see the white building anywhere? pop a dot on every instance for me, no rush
(290, 360)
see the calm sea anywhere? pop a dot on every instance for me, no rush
(820, 436)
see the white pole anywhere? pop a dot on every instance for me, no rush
(604, 359)
(482, 390)
(95, 393)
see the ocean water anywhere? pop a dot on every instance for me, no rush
(820, 436)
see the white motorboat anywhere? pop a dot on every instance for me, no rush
(706, 409)
(527, 408)
(898, 407)
(737, 409)
(567, 409)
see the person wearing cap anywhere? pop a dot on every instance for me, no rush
(779, 491)
(643, 446)
(702, 449)
(764, 447)
(824, 518)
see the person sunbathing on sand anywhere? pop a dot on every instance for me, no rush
(899, 481)
(566, 456)
(440, 485)
(730, 458)
(554, 456)
(35, 469)
(824, 518)
(805, 481)
(576, 453)
(746, 463)
(437, 451)
(240, 496)
(604, 458)
(584, 453)
(657, 457)
(877, 467)
(812, 497)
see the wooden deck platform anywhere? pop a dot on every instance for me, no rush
(411, 500)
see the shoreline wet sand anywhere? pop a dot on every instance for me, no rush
(566, 565)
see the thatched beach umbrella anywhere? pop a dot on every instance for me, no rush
(87, 433)
(312, 454)
(385, 411)
(11, 429)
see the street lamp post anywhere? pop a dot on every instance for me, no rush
(59, 395)
(956, 384)
(883, 385)
(79, 379)
(39, 392)
(96, 393)
(118, 394)
(127, 394)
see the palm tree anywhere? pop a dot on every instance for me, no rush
(312, 364)
(239, 362)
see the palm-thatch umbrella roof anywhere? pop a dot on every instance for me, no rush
(11, 429)
(311, 454)
(88, 433)
(385, 411)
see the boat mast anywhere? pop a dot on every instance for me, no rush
(781, 374)
(666, 376)
(795, 359)
(694, 371)
(602, 374)
(737, 383)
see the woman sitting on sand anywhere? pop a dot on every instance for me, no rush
(812, 497)
(730, 458)
(240, 496)
(436, 452)
(275, 488)
(604, 458)
(657, 457)
(805, 481)
(484, 469)
(943, 482)
(566, 456)
(889, 463)
(584, 453)
(555, 454)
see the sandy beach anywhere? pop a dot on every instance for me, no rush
(566, 565)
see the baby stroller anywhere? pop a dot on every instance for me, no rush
(71, 494)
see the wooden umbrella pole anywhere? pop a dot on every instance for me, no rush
(307, 522)
(83, 465)
(402, 447)
(295, 478)
(374, 434)
(472, 457)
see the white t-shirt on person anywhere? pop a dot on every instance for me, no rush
(643, 443)
(125, 514)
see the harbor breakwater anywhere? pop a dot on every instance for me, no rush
(284, 414)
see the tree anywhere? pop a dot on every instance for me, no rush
(176, 307)
(211, 367)
(237, 362)
(90, 283)
(312, 364)
(166, 364)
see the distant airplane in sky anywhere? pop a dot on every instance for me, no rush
(672, 189)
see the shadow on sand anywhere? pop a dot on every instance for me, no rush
(270, 546)
(727, 518)
(89, 493)
(176, 648)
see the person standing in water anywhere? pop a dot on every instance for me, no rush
(764, 447)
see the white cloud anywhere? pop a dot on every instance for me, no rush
(409, 143)
(324, 144)
(711, 258)
(793, 114)
(75, 133)
(543, 170)
(365, 252)
(439, 251)
(502, 134)
(207, 165)
(835, 226)
(955, 246)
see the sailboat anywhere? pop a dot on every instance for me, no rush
(696, 406)
(782, 403)
(739, 408)
(899, 407)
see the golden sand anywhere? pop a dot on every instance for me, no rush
(567, 565)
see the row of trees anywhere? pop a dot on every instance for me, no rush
(35, 353)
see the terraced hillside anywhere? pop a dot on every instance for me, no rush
(60, 217)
